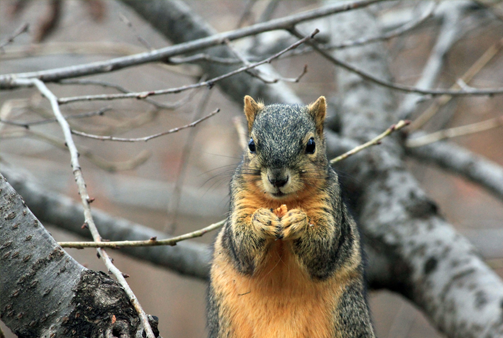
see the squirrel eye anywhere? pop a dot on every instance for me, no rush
(311, 146)
(251, 146)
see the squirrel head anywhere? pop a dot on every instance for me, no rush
(286, 147)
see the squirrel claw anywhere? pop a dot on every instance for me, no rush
(294, 223)
(266, 223)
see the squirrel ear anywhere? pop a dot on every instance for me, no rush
(251, 110)
(318, 111)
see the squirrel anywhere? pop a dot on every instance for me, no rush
(287, 262)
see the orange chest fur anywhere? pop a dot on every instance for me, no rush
(279, 300)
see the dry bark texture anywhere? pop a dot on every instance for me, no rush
(44, 291)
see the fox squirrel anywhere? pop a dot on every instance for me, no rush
(287, 262)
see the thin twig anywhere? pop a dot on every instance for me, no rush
(168, 106)
(391, 34)
(27, 124)
(455, 132)
(86, 200)
(20, 30)
(397, 86)
(100, 162)
(203, 57)
(7, 81)
(146, 138)
(257, 73)
(208, 83)
(374, 141)
(477, 66)
(150, 242)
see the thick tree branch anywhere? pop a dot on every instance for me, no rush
(433, 266)
(45, 292)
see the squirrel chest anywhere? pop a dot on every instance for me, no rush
(281, 300)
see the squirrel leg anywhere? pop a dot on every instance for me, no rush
(246, 238)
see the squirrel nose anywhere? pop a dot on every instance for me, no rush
(277, 180)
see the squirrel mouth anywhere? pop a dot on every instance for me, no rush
(278, 194)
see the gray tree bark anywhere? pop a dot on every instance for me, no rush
(435, 267)
(44, 292)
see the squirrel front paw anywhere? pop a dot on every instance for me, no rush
(266, 222)
(294, 223)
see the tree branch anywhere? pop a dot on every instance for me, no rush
(449, 34)
(468, 129)
(187, 258)
(168, 106)
(477, 66)
(7, 81)
(86, 200)
(460, 161)
(396, 86)
(20, 30)
(432, 265)
(146, 138)
(40, 283)
(208, 83)
(153, 241)
(373, 142)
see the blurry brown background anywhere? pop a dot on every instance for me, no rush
(142, 194)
